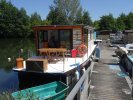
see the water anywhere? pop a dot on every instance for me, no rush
(9, 48)
(12, 81)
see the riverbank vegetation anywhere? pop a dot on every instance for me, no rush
(16, 23)
(12, 50)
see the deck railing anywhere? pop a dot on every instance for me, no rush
(81, 91)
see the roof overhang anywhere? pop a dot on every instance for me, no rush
(57, 27)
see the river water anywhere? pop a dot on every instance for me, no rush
(9, 48)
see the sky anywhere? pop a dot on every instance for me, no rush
(96, 8)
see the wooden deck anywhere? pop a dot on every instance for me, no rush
(108, 81)
(64, 65)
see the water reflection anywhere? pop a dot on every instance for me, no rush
(13, 81)
(8, 81)
(31, 79)
(9, 48)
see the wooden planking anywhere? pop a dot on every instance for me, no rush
(106, 84)
(77, 37)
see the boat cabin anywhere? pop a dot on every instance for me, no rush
(63, 52)
(61, 44)
(62, 36)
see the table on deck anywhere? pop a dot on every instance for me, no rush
(50, 51)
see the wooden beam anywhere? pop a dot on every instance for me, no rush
(56, 27)
(36, 41)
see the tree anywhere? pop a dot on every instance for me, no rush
(96, 24)
(64, 10)
(107, 22)
(35, 19)
(24, 23)
(120, 23)
(56, 17)
(129, 21)
(79, 17)
(86, 18)
(8, 14)
(13, 22)
(46, 22)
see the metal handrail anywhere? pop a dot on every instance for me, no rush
(78, 85)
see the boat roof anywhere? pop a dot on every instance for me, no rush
(57, 27)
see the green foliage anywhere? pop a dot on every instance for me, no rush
(6, 96)
(107, 22)
(86, 18)
(12, 51)
(121, 23)
(129, 21)
(29, 95)
(35, 19)
(96, 24)
(15, 22)
(56, 17)
(23, 23)
(79, 17)
(46, 22)
(68, 12)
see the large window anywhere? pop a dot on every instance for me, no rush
(62, 39)
(66, 39)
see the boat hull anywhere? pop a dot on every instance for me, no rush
(51, 91)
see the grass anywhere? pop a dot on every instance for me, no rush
(28, 96)
(6, 96)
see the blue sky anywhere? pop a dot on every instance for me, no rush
(96, 8)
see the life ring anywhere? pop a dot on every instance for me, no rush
(81, 49)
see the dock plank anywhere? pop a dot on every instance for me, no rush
(106, 83)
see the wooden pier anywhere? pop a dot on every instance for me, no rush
(108, 80)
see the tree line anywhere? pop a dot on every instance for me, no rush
(108, 22)
(16, 23)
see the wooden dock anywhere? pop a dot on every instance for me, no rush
(103, 80)
(108, 80)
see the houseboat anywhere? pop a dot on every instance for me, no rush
(63, 53)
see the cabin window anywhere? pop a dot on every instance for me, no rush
(65, 39)
(53, 39)
(43, 39)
